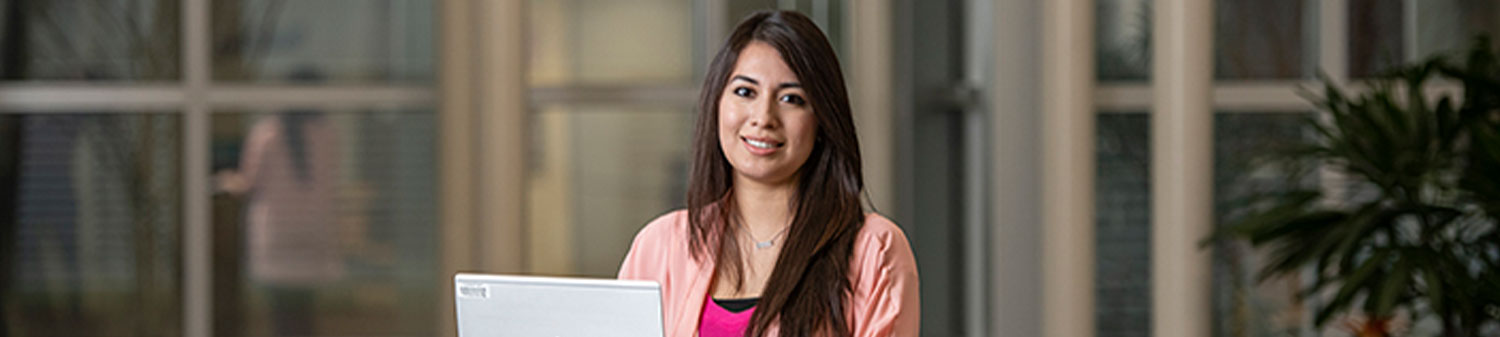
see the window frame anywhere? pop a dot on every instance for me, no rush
(194, 97)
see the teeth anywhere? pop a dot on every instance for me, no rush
(759, 144)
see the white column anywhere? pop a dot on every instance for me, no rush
(1333, 60)
(1181, 167)
(869, 81)
(1015, 163)
(456, 116)
(501, 97)
(1068, 168)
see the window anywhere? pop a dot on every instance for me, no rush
(1123, 202)
(1263, 51)
(113, 40)
(125, 126)
(93, 227)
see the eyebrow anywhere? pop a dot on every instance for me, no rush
(783, 85)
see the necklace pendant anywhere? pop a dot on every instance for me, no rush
(763, 244)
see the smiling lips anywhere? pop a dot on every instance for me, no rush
(761, 146)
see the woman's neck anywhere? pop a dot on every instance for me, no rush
(765, 208)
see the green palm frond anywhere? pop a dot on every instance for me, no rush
(1425, 240)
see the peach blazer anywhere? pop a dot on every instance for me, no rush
(882, 273)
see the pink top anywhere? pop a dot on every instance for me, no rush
(883, 300)
(720, 322)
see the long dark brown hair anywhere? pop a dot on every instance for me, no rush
(806, 290)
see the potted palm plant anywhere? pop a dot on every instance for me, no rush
(1415, 234)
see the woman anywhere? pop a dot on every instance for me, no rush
(289, 171)
(774, 240)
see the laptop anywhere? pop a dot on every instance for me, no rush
(533, 306)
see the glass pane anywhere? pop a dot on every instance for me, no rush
(1123, 236)
(1242, 143)
(1375, 36)
(1244, 308)
(1253, 40)
(89, 40)
(1450, 25)
(90, 224)
(377, 41)
(599, 174)
(604, 42)
(325, 223)
(1262, 39)
(1123, 33)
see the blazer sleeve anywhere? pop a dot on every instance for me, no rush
(886, 301)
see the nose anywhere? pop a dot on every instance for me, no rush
(764, 113)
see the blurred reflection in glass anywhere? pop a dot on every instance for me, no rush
(1376, 40)
(599, 170)
(90, 224)
(364, 41)
(599, 174)
(1243, 144)
(89, 39)
(1378, 30)
(340, 242)
(1262, 39)
(1449, 26)
(1123, 233)
(288, 172)
(1122, 31)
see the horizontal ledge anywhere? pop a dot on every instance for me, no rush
(51, 98)
(41, 98)
(1271, 97)
(1253, 97)
(255, 96)
(661, 95)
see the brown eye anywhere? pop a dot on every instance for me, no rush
(793, 99)
(744, 92)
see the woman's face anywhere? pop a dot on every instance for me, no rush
(766, 127)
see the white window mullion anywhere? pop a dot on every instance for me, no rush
(128, 98)
(1255, 97)
(316, 96)
(1333, 25)
(1333, 59)
(197, 248)
(72, 98)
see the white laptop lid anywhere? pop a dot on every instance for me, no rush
(531, 306)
